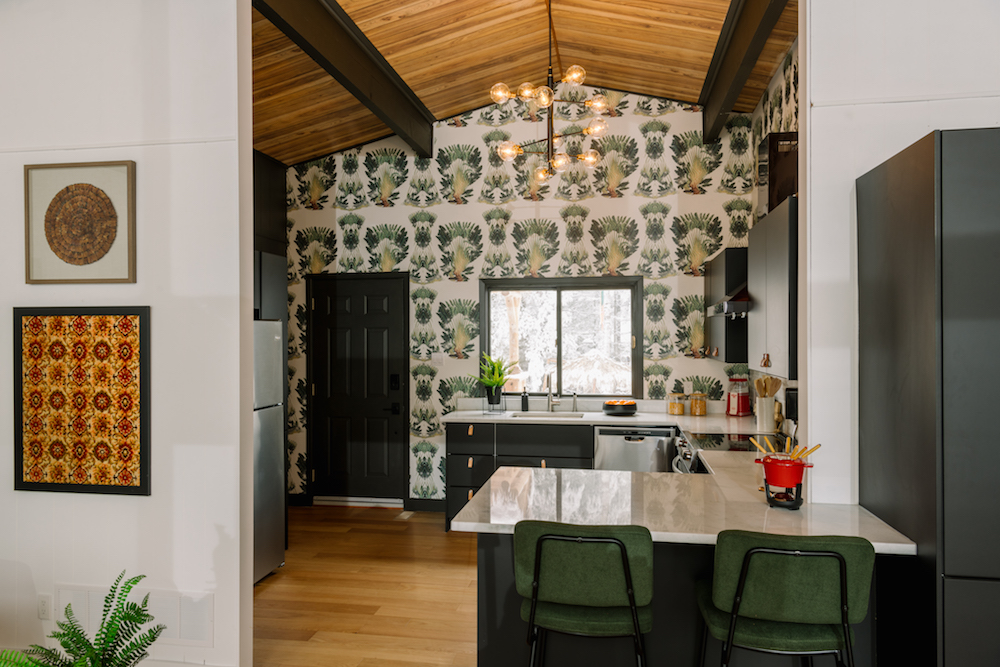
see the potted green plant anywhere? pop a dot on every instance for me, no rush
(118, 642)
(493, 376)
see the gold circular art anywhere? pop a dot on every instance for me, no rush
(81, 224)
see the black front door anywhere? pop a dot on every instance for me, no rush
(359, 397)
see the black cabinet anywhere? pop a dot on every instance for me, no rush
(772, 281)
(470, 460)
(928, 245)
(476, 450)
(557, 440)
(725, 296)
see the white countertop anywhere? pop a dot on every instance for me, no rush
(689, 509)
(711, 423)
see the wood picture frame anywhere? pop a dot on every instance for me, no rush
(81, 399)
(79, 222)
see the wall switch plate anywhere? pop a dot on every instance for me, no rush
(45, 607)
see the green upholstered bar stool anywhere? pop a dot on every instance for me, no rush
(595, 581)
(787, 594)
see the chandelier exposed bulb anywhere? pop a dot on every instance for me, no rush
(598, 104)
(597, 127)
(500, 93)
(559, 162)
(575, 74)
(544, 97)
(526, 91)
(542, 174)
(590, 158)
(508, 150)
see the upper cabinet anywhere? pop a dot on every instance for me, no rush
(725, 297)
(772, 281)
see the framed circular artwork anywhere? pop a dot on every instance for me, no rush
(80, 222)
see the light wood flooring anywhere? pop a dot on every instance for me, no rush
(368, 588)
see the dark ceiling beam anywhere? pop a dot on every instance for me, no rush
(748, 25)
(324, 31)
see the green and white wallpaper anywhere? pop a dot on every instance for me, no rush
(659, 204)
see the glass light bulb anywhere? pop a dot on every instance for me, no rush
(508, 150)
(557, 141)
(544, 96)
(591, 158)
(500, 93)
(598, 104)
(597, 128)
(575, 74)
(559, 162)
(526, 90)
(542, 174)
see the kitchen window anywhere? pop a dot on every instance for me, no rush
(584, 332)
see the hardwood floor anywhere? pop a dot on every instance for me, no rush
(368, 587)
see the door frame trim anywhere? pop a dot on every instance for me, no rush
(312, 279)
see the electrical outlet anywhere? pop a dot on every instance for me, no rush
(45, 607)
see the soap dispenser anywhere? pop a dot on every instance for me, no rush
(524, 400)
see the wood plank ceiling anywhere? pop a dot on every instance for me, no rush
(450, 53)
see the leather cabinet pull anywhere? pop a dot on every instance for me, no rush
(470, 494)
(470, 429)
(470, 461)
(543, 463)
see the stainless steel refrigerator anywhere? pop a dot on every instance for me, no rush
(268, 448)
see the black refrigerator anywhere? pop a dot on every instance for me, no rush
(929, 368)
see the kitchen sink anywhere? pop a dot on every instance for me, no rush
(548, 415)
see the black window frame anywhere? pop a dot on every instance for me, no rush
(559, 285)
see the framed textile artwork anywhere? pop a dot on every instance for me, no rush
(81, 399)
(79, 222)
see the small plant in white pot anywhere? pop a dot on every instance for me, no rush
(118, 642)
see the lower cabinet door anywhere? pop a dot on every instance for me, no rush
(971, 619)
(457, 497)
(469, 469)
(545, 462)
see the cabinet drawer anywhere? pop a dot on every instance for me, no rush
(470, 438)
(545, 462)
(469, 469)
(458, 496)
(554, 440)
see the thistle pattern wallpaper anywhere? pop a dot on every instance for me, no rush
(659, 204)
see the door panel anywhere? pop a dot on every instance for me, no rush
(358, 368)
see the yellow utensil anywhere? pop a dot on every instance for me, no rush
(788, 445)
(769, 445)
(797, 452)
(757, 445)
(810, 451)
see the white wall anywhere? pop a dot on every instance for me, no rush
(879, 75)
(154, 82)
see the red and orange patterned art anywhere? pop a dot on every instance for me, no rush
(81, 401)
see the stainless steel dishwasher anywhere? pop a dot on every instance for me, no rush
(642, 449)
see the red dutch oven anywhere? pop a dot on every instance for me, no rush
(786, 473)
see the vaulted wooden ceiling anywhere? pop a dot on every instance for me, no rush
(449, 53)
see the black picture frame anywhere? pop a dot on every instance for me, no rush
(35, 388)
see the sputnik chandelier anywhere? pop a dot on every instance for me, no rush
(544, 96)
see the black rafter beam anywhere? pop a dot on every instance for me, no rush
(748, 25)
(324, 31)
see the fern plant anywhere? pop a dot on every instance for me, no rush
(118, 643)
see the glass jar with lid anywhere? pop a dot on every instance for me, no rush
(675, 403)
(699, 404)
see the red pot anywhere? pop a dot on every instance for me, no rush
(785, 473)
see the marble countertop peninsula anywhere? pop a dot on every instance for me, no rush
(690, 509)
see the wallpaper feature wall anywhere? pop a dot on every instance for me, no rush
(659, 204)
